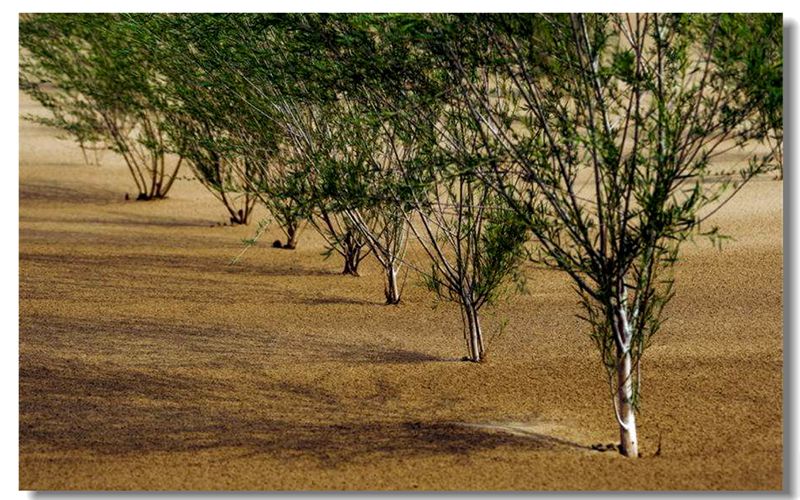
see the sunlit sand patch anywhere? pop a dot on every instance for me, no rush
(545, 432)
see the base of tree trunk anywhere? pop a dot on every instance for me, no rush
(284, 246)
(391, 290)
(240, 218)
(629, 442)
(235, 221)
(350, 267)
(291, 239)
(147, 197)
(473, 334)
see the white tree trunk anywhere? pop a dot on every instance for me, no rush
(629, 443)
(623, 403)
(392, 291)
(474, 334)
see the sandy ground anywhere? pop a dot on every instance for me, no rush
(148, 362)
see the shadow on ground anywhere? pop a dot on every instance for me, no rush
(59, 193)
(73, 405)
(221, 344)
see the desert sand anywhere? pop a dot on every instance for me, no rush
(148, 362)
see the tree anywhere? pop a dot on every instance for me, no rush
(466, 230)
(362, 150)
(604, 130)
(197, 111)
(356, 173)
(214, 160)
(86, 70)
(272, 177)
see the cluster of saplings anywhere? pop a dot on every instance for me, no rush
(584, 142)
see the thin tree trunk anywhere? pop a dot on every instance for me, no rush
(350, 262)
(392, 291)
(291, 238)
(85, 157)
(154, 185)
(239, 216)
(168, 185)
(629, 443)
(351, 254)
(474, 335)
(623, 400)
(249, 204)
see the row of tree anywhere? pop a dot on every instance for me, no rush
(586, 142)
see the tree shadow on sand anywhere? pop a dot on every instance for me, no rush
(75, 406)
(30, 191)
(203, 345)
